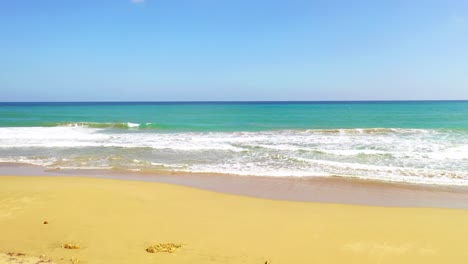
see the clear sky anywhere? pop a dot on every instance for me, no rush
(157, 50)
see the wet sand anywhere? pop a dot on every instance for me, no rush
(311, 189)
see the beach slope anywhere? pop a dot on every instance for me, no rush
(113, 221)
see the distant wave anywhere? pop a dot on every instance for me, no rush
(164, 127)
(127, 125)
(342, 131)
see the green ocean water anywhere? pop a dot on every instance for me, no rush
(415, 142)
(241, 116)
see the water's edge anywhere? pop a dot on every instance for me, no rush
(300, 189)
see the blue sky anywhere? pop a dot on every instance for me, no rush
(158, 50)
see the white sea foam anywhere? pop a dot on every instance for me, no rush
(133, 124)
(407, 155)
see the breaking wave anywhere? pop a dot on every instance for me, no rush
(117, 125)
(428, 156)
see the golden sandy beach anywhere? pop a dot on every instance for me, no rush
(114, 221)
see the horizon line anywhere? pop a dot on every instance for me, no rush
(244, 101)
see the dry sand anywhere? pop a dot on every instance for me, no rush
(115, 221)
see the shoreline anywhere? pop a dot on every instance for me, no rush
(300, 189)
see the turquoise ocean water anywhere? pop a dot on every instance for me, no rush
(417, 142)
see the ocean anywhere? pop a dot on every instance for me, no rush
(419, 142)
